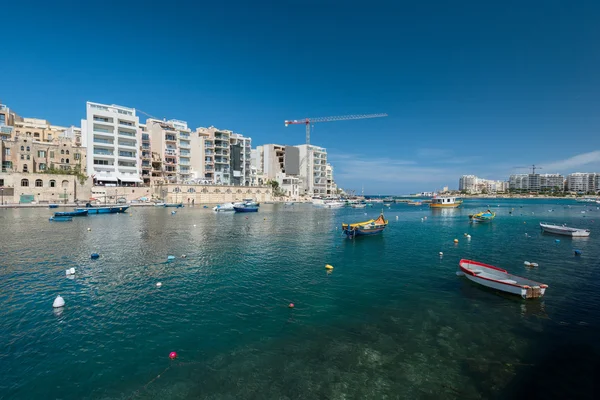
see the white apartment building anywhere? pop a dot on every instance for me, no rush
(468, 183)
(331, 186)
(315, 184)
(240, 159)
(111, 135)
(536, 182)
(583, 182)
(474, 184)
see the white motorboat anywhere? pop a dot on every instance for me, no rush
(225, 207)
(334, 204)
(564, 230)
(358, 205)
(500, 279)
(159, 204)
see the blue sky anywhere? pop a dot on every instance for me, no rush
(470, 87)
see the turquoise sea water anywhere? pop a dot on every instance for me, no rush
(393, 320)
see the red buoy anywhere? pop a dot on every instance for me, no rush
(172, 355)
(291, 305)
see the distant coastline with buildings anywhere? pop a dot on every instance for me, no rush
(112, 148)
(578, 183)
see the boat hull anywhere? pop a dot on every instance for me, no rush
(454, 205)
(564, 231)
(245, 209)
(104, 210)
(81, 213)
(178, 205)
(61, 219)
(499, 279)
(361, 232)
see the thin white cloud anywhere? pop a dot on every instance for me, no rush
(571, 164)
(432, 152)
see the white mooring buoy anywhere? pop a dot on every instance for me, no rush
(58, 302)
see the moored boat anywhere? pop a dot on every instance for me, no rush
(564, 230)
(61, 219)
(104, 210)
(175, 205)
(445, 202)
(245, 208)
(225, 207)
(500, 279)
(414, 203)
(52, 205)
(484, 216)
(371, 227)
(76, 213)
(358, 205)
(334, 204)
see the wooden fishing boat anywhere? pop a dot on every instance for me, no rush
(245, 208)
(500, 279)
(414, 203)
(370, 227)
(484, 216)
(76, 213)
(564, 230)
(445, 202)
(61, 219)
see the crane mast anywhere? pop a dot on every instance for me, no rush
(309, 123)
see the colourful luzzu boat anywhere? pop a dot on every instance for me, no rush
(484, 216)
(371, 227)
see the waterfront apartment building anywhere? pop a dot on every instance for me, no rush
(170, 142)
(583, 182)
(331, 186)
(474, 184)
(6, 122)
(216, 168)
(111, 135)
(468, 183)
(240, 159)
(536, 182)
(280, 163)
(314, 176)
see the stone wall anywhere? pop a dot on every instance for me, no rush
(211, 194)
(45, 188)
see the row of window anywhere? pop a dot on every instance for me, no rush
(205, 190)
(40, 183)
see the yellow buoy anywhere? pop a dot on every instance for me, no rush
(455, 240)
(327, 266)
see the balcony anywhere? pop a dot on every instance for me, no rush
(127, 154)
(127, 145)
(126, 123)
(209, 145)
(184, 162)
(170, 138)
(184, 135)
(184, 153)
(103, 120)
(209, 152)
(103, 153)
(184, 145)
(170, 152)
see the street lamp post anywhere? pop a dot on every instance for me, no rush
(65, 195)
(2, 191)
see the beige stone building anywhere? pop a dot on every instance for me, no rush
(23, 154)
(26, 188)
(210, 194)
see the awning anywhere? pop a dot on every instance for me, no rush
(130, 178)
(106, 178)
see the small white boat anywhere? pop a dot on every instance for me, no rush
(334, 204)
(564, 230)
(225, 207)
(500, 279)
(159, 204)
(289, 203)
(358, 205)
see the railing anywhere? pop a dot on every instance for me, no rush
(126, 123)
(102, 130)
(170, 138)
(126, 154)
(104, 120)
(103, 152)
(122, 133)
(105, 141)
